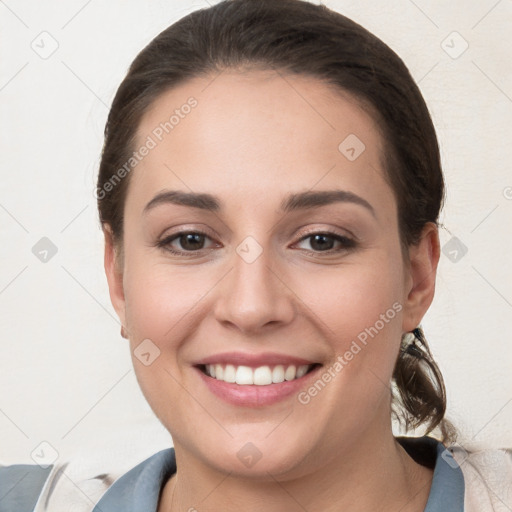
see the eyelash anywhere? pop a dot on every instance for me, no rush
(348, 243)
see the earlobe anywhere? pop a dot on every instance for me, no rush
(114, 273)
(423, 261)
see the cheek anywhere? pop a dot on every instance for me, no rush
(161, 306)
(351, 298)
(160, 297)
(162, 301)
(359, 310)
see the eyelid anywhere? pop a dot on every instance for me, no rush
(347, 242)
(181, 229)
(165, 240)
(328, 231)
(301, 233)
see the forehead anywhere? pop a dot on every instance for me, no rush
(256, 136)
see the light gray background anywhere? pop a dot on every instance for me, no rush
(66, 377)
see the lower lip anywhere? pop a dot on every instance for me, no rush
(253, 395)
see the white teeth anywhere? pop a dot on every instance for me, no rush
(278, 374)
(302, 370)
(261, 376)
(244, 375)
(229, 373)
(290, 373)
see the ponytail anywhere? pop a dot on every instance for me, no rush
(419, 395)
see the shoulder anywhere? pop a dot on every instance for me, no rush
(30, 487)
(465, 480)
(21, 486)
(78, 485)
(487, 478)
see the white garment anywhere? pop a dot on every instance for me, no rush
(487, 479)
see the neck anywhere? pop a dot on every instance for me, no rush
(376, 475)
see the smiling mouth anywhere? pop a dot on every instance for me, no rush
(259, 376)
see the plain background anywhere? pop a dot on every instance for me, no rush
(66, 376)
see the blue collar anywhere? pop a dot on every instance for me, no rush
(447, 490)
(138, 490)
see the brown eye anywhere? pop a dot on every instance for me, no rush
(325, 241)
(188, 241)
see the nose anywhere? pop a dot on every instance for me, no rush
(254, 296)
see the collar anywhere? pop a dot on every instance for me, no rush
(139, 489)
(448, 489)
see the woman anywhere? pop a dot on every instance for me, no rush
(269, 192)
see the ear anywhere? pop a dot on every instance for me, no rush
(114, 272)
(420, 277)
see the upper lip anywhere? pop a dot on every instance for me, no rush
(253, 360)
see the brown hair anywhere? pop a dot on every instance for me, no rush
(302, 38)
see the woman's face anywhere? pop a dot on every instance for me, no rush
(283, 158)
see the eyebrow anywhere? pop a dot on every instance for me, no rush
(294, 202)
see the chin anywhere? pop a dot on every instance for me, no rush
(258, 455)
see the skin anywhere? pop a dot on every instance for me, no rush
(255, 137)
